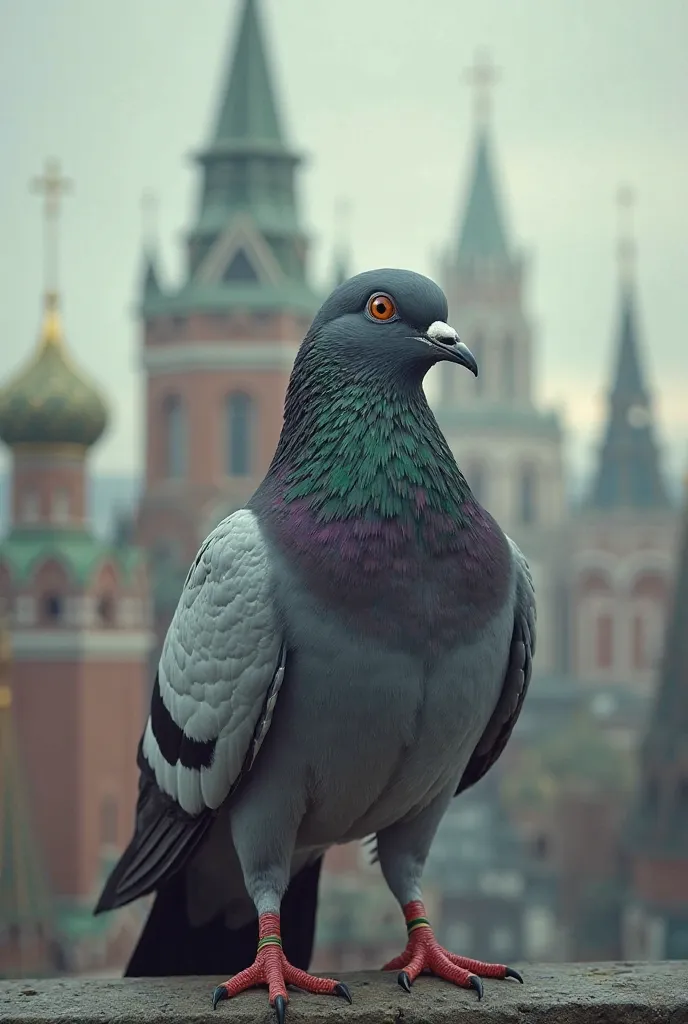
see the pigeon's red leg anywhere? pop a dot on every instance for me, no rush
(423, 952)
(272, 968)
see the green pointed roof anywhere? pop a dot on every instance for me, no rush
(248, 112)
(50, 401)
(25, 903)
(483, 233)
(248, 201)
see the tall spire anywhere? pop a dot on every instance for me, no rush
(248, 112)
(483, 234)
(25, 907)
(672, 695)
(247, 244)
(628, 473)
(660, 822)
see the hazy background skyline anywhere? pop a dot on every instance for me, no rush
(373, 92)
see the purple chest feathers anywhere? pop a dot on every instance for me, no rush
(422, 584)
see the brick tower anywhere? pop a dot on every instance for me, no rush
(80, 634)
(656, 926)
(27, 946)
(218, 348)
(508, 446)
(625, 532)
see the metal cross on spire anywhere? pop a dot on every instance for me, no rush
(52, 186)
(625, 203)
(482, 75)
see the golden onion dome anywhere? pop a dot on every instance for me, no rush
(50, 401)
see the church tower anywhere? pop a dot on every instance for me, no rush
(218, 348)
(624, 533)
(509, 448)
(78, 609)
(656, 925)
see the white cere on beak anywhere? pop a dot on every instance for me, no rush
(439, 331)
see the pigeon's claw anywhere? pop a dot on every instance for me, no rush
(219, 994)
(280, 1008)
(424, 953)
(272, 968)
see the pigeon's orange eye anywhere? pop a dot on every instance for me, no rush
(381, 307)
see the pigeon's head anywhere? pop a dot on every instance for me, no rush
(390, 320)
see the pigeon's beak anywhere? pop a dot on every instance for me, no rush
(445, 338)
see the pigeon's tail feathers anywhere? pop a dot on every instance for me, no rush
(164, 840)
(169, 946)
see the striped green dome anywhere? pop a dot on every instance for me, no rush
(50, 402)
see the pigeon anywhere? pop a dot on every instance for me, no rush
(350, 651)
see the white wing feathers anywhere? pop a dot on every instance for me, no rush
(220, 669)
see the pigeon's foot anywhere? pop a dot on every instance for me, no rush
(424, 953)
(272, 968)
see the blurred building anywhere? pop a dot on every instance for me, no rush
(78, 613)
(218, 346)
(622, 562)
(603, 571)
(656, 919)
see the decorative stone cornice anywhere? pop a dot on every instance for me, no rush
(220, 355)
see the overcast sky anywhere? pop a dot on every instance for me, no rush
(591, 94)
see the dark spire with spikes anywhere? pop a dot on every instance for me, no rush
(628, 473)
(660, 820)
(483, 235)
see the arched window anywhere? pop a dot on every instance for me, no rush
(527, 496)
(105, 607)
(239, 428)
(508, 369)
(108, 821)
(53, 608)
(176, 440)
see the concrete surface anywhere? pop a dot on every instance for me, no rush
(552, 994)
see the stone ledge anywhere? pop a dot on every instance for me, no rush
(604, 993)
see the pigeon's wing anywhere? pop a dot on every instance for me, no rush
(215, 691)
(516, 679)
